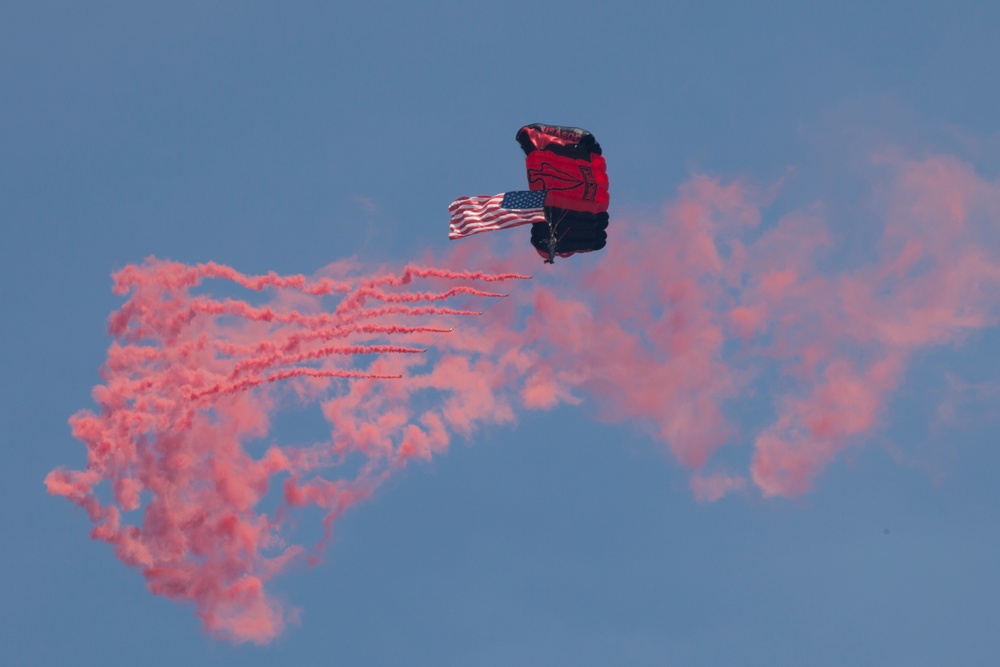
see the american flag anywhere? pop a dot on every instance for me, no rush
(471, 215)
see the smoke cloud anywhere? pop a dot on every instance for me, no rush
(667, 330)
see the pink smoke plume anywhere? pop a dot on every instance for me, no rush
(666, 330)
(189, 381)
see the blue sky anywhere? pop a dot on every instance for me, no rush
(284, 138)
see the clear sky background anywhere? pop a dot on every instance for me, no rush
(285, 136)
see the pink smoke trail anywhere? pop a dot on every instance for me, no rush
(183, 394)
(672, 324)
(666, 330)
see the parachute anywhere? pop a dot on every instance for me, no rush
(567, 163)
(566, 205)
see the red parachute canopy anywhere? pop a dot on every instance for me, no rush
(567, 205)
(567, 162)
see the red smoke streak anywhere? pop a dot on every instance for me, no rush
(176, 411)
(667, 330)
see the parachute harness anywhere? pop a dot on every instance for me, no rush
(553, 241)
